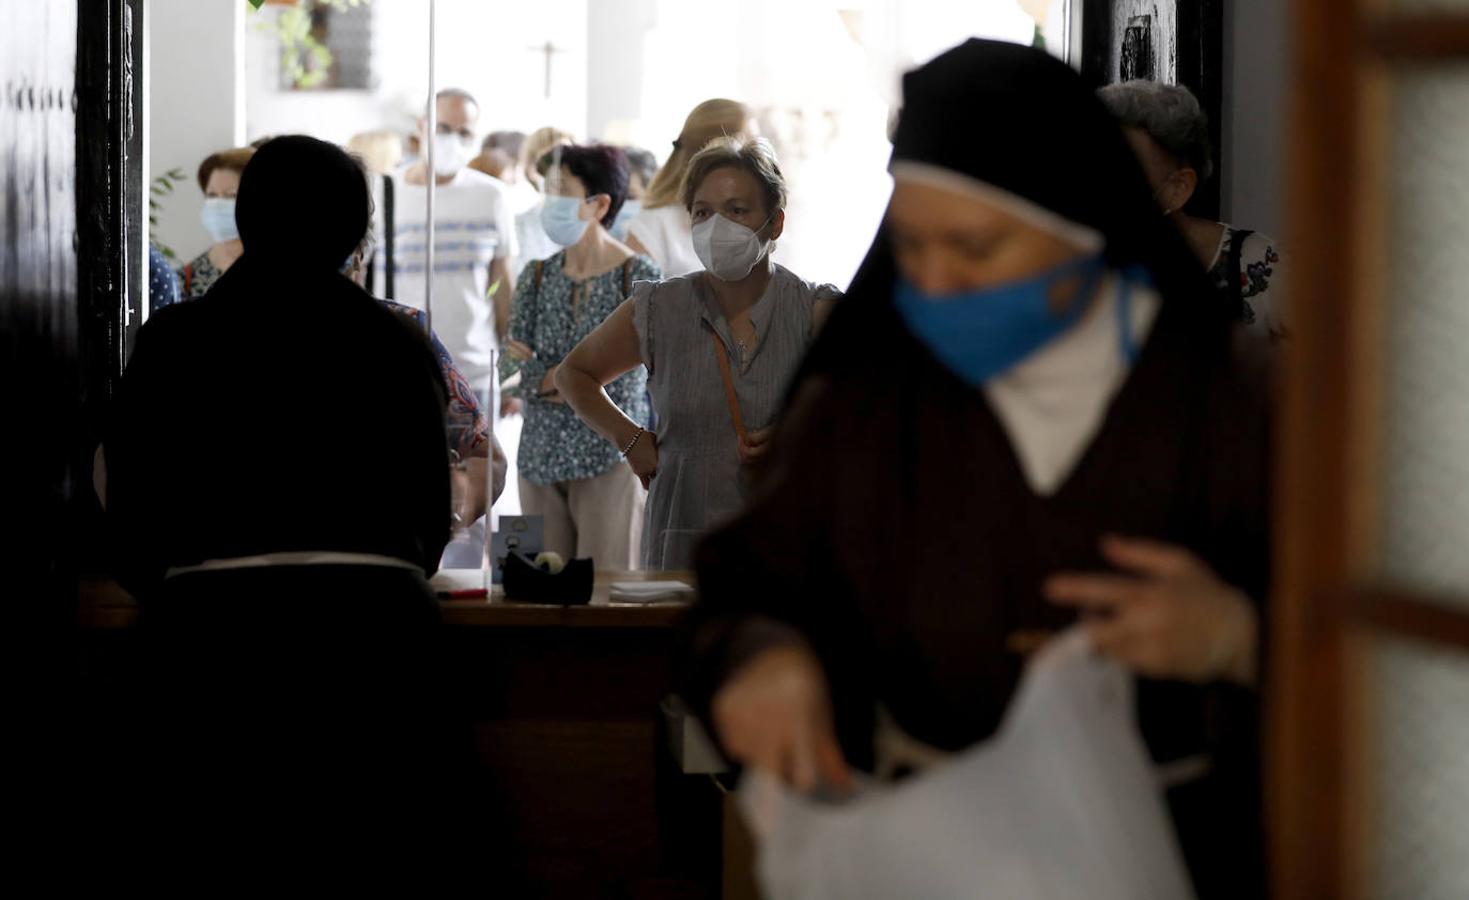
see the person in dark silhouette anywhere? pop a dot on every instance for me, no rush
(279, 552)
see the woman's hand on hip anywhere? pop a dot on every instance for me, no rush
(1171, 617)
(548, 391)
(643, 457)
(774, 713)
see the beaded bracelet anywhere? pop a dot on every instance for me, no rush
(634, 442)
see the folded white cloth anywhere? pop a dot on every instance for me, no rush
(650, 591)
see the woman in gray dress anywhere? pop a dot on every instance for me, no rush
(720, 347)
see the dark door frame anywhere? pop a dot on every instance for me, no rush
(110, 193)
(1200, 69)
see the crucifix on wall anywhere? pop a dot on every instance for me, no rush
(550, 50)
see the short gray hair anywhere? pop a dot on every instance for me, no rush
(753, 155)
(1170, 114)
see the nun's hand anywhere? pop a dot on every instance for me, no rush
(774, 713)
(519, 350)
(1171, 617)
(755, 444)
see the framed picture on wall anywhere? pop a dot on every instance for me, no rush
(1171, 41)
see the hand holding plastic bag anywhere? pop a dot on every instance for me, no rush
(1062, 803)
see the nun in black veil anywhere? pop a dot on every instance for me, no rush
(278, 490)
(1064, 421)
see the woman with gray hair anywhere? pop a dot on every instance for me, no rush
(1170, 135)
(720, 345)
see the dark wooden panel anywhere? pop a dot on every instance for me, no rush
(565, 709)
(1201, 69)
(39, 330)
(104, 604)
(39, 409)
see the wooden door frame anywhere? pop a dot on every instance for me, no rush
(1327, 606)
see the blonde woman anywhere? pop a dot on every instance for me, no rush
(661, 231)
(720, 345)
(380, 151)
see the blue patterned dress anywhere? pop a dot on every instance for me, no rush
(555, 446)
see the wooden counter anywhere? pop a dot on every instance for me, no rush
(103, 604)
(565, 706)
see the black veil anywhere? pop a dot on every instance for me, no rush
(1022, 121)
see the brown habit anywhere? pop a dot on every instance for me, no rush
(896, 533)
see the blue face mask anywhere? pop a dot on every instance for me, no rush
(218, 217)
(982, 333)
(629, 211)
(559, 219)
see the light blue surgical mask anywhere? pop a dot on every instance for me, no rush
(559, 219)
(218, 217)
(629, 211)
(982, 333)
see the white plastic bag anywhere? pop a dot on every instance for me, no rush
(1062, 803)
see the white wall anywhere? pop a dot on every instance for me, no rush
(484, 46)
(615, 52)
(1254, 129)
(194, 89)
(400, 54)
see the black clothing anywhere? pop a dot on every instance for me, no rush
(320, 430)
(288, 708)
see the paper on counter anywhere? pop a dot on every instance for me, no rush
(458, 580)
(650, 592)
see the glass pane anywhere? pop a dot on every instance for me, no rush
(1420, 736)
(1425, 535)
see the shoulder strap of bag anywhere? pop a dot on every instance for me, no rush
(540, 269)
(1236, 275)
(626, 277)
(729, 389)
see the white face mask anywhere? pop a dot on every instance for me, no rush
(728, 249)
(451, 153)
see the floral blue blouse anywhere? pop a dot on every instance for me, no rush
(554, 444)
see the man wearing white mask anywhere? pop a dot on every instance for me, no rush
(720, 346)
(474, 240)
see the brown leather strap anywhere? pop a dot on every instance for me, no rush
(626, 276)
(729, 389)
(540, 269)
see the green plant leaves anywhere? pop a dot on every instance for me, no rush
(162, 186)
